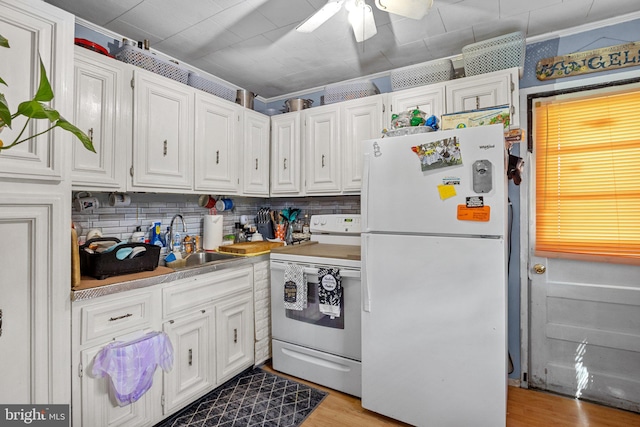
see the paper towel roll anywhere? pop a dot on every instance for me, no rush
(212, 232)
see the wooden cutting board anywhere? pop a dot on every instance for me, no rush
(247, 248)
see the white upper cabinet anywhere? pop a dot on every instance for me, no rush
(217, 145)
(35, 29)
(430, 99)
(322, 149)
(486, 90)
(286, 155)
(102, 109)
(162, 134)
(255, 154)
(362, 119)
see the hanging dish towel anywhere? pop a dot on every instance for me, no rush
(295, 287)
(329, 291)
(130, 365)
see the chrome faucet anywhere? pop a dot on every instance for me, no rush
(184, 230)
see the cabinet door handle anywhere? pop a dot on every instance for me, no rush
(477, 102)
(323, 160)
(0, 322)
(235, 335)
(124, 316)
(164, 150)
(285, 164)
(190, 357)
(256, 164)
(217, 157)
(90, 135)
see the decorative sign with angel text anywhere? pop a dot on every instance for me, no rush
(590, 61)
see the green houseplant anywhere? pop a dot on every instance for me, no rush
(35, 109)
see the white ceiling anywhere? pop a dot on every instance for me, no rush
(252, 43)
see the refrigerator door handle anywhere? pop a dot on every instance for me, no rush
(366, 299)
(364, 194)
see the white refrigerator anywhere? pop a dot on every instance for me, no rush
(434, 271)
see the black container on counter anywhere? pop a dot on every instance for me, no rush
(105, 264)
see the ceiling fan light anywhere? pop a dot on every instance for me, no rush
(414, 9)
(320, 17)
(362, 22)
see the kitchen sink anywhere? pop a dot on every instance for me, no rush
(201, 258)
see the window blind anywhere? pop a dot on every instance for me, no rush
(587, 152)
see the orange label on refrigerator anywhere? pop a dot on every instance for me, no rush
(474, 214)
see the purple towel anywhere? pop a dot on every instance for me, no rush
(130, 365)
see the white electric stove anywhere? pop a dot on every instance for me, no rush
(307, 343)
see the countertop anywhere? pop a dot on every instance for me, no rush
(93, 288)
(323, 250)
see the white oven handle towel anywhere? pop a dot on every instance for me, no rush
(329, 291)
(130, 365)
(295, 287)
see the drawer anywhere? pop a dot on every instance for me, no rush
(116, 316)
(205, 289)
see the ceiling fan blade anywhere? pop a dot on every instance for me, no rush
(414, 9)
(362, 21)
(320, 17)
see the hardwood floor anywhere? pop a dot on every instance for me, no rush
(525, 408)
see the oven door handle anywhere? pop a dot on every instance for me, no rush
(343, 273)
(355, 274)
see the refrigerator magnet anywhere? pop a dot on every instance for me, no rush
(446, 191)
(439, 154)
(482, 214)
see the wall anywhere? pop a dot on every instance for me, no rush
(145, 208)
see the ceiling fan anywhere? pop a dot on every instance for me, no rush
(361, 14)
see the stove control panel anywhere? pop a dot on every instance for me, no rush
(336, 224)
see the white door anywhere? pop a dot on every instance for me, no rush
(362, 120)
(194, 353)
(163, 133)
(322, 143)
(102, 110)
(234, 336)
(584, 323)
(286, 154)
(255, 156)
(217, 144)
(486, 90)
(429, 99)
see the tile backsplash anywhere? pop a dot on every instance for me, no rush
(145, 208)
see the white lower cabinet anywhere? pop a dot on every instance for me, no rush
(234, 327)
(209, 321)
(193, 370)
(98, 405)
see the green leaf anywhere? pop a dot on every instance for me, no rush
(5, 114)
(4, 42)
(37, 110)
(3, 82)
(86, 141)
(45, 93)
